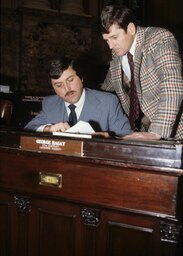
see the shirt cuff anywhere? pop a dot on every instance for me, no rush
(41, 128)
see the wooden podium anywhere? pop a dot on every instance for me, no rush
(98, 197)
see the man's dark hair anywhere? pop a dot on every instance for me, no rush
(59, 65)
(114, 14)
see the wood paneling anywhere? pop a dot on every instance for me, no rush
(102, 208)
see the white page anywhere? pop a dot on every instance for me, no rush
(74, 135)
(81, 127)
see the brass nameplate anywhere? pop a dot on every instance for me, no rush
(50, 179)
(55, 146)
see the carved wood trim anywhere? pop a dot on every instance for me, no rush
(23, 204)
(170, 232)
(90, 216)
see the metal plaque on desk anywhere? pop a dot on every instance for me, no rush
(52, 145)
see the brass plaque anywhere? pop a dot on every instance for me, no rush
(50, 179)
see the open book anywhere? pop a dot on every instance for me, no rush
(80, 130)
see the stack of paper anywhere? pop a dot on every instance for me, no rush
(80, 130)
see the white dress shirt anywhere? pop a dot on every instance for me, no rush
(78, 109)
(124, 60)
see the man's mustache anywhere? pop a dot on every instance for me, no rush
(69, 93)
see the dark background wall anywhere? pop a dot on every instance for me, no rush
(31, 36)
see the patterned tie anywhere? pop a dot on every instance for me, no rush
(72, 116)
(134, 103)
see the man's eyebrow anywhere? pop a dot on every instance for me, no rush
(57, 83)
(69, 76)
(111, 36)
(60, 83)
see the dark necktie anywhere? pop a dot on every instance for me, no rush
(134, 103)
(72, 115)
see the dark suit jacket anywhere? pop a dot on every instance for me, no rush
(101, 109)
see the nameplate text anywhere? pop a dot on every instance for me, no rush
(49, 145)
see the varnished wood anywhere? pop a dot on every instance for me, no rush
(106, 205)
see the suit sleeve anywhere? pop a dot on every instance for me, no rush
(168, 67)
(118, 121)
(107, 84)
(40, 119)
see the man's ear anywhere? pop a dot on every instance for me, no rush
(131, 28)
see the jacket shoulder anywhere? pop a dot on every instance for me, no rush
(51, 98)
(153, 35)
(99, 94)
(51, 101)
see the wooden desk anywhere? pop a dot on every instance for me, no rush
(117, 198)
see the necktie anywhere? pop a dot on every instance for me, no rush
(72, 115)
(134, 103)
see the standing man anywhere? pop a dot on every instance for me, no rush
(146, 74)
(72, 103)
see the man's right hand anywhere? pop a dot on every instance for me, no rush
(59, 127)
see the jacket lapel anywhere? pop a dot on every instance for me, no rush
(90, 105)
(138, 60)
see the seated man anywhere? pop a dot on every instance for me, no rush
(101, 109)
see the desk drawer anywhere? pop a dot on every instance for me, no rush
(89, 183)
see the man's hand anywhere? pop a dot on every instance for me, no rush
(101, 134)
(59, 127)
(142, 136)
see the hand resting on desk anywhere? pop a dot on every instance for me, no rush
(63, 127)
(59, 127)
(142, 136)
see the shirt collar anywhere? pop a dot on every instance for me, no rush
(80, 101)
(132, 49)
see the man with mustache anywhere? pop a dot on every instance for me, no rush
(101, 109)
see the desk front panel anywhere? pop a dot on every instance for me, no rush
(84, 181)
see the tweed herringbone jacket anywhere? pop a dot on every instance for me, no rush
(158, 78)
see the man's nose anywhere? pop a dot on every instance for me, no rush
(111, 45)
(67, 86)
